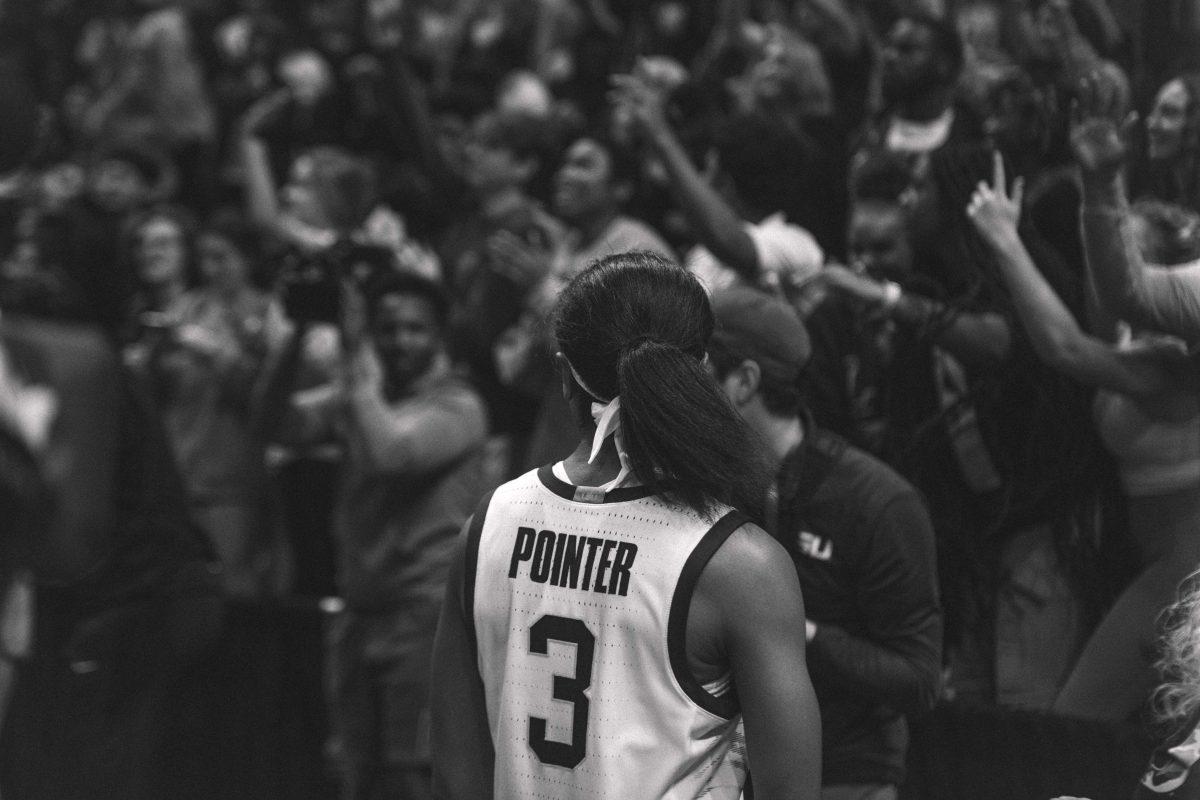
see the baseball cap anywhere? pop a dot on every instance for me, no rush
(752, 324)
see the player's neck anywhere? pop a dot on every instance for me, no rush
(606, 466)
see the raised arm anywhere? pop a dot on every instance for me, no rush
(406, 110)
(726, 35)
(418, 435)
(832, 25)
(1056, 336)
(262, 200)
(753, 585)
(1109, 26)
(714, 222)
(973, 337)
(1145, 295)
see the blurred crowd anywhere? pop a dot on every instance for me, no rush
(287, 268)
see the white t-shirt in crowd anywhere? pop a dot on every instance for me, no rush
(785, 251)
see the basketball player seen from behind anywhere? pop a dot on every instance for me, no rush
(607, 606)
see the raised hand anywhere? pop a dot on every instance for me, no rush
(1100, 130)
(992, 209)
(641, 100)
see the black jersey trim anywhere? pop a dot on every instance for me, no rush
(470, 563)
(569, 491)
(726, 705)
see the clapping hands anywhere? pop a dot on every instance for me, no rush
(638, 98)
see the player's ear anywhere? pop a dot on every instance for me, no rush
(742, 382)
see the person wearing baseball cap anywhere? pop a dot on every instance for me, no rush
(861, 541)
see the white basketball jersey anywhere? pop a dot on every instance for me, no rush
(580, 601)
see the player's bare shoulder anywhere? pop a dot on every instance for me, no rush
(750, 559)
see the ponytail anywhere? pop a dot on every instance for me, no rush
(683, 438)
(636, 327)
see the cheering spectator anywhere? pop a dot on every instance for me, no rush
(742, 229)
(129, 598)
(1148, 414)
(207, 345)
(150, 86)
(413, 433)
(161, 246)
(1170, 167)
(921, 61)
(900, 372)
(1151, 296)
(492, 255)
(591, 188)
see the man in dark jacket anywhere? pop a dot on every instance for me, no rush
(862, 543)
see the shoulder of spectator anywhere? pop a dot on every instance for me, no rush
(454, 394)
(873, 490)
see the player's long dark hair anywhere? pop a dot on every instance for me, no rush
(635, 326)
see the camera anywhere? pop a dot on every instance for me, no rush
(311, 283)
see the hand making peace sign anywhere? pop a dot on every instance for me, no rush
(992, 209)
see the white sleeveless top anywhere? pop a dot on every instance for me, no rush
(579, 602)
(1154, 455)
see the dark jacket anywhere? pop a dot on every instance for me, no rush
(863, 546)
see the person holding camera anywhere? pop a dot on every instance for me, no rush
(199, 350)
(323, 217)
(412, 434)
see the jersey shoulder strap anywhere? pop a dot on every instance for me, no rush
(725, 705)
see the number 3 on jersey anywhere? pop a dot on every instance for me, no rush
(570, 689)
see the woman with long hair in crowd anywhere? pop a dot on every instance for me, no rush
(1169, 168)
(1147, 411)
(1142, 292)
(686, 600)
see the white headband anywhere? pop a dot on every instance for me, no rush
(608, 423)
